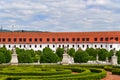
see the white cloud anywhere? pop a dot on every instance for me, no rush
(61, 15)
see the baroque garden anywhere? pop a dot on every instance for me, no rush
(70, 59)
(32, 64)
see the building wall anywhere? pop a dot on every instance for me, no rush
(76, 46)
(39, 40)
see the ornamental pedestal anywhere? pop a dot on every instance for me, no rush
(65, 60)
(114, 59)
(14, 60)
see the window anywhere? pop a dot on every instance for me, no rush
(78, 39)
(47, 45)
(59, 46)
(53, 46)
(116, 38)
(73, 39)
(24, 46)
(40, 39)
(78, 46)
(106, 46)
(9, 46)
(3, 39)
(15, 39)
(20, 46)
(95, 46)
(40, 46)
(53, 39)
(63, 39)
(48, 39)
(35, 46)
(20, 39)
(24, 39)
(87, 39)
(68, 46)
(9, 39)
(95, 39)
(101, 46)
(83, 46)
(111, 38)
(101, 39)
(63, 46)
(67, 39)
(87, 46)
(0, 39)
(73, 46)
(83, 39)
(110, 46)
(35, 39)
(30, 39)
(58, 39)
(30, 46)
(106, 39)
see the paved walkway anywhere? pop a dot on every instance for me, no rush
(111, 76)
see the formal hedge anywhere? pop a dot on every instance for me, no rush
(51, 72)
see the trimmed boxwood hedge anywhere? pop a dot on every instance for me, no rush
(52, 72)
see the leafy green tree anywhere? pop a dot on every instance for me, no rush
(81, 56)
(2, 58)
(8, 56)
(92, 53)
(31, 52)
(38, 52)
(60, 52)
(118, 56)
(18, 50)
(48, 56)
(110, 54)
(6, 53)
(102, 53)
(71, 52)
(24, 57)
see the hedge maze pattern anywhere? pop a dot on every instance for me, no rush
(51, 72)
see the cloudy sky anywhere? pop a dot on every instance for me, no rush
(60, 15)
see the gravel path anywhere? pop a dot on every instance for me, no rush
(111, 76)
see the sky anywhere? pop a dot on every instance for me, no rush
(60, 15)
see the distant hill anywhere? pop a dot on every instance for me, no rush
(5, 30)
(20, 31)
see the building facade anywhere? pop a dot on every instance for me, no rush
(39, 40)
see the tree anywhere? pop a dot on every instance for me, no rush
(81, 56)
(38, 52)
(2, 58)
(92, 53)
(24, 57)
(102, 53)
(60, 52)
(118, 55)
(110, 54)
(6, 53)
(37, 56)
(8, 56)
(31, 52)
(71, 52)
(48, 56)
(18, 50)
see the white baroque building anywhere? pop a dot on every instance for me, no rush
(39, 40)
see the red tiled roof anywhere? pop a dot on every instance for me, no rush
(115, 35)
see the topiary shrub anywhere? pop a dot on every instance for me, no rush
(81, 56)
